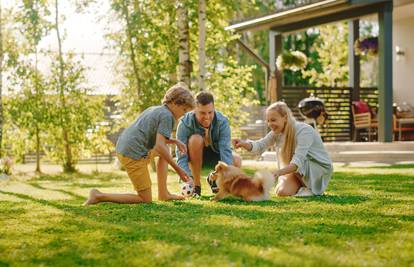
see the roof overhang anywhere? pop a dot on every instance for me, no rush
(310, 15)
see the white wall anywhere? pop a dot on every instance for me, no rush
(403, 69)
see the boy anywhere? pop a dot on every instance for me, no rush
(149, 136)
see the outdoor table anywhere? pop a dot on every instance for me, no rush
(402, 121)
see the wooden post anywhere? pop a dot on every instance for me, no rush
(354, 70)
(275, 49)
(354, 60)
(385, 94)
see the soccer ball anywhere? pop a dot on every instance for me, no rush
(187, 189)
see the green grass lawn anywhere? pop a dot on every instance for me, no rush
(366, 218)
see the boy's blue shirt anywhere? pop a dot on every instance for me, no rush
(140, 137)
(220, 137)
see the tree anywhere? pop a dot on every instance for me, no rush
(202, 43)
(80, 113)
(152, 31)
(155, 29)
(184, 61)
(332, 49)
(68, 163)
(1, 81)
(29, 109)
(229, 81)
(8, 59)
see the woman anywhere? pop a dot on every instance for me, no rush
(306, 165)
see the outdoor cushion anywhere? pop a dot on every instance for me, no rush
(361, 107)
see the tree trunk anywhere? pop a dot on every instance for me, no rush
(38, 150)
(67, 164)
(1, 82)
(131, 45)
(37, 126)
(202, 43)
(184, 63)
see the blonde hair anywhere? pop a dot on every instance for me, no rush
(179, 94)
(289, 145)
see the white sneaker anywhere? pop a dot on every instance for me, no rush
(304, 192)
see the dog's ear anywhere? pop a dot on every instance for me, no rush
(221, 166)
(222, 163)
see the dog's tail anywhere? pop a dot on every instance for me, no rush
(267, 179)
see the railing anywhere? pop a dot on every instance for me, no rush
(337, 103)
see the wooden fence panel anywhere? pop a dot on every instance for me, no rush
(337, 103)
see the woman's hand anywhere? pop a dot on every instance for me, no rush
(238, 143)
(276, 174)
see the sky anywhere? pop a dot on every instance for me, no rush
(84, 35)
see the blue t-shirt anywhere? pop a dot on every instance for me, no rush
(139, 138)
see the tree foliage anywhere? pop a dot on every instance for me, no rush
(29, 109)
(80, 113)
(332, 49)
(154, 30)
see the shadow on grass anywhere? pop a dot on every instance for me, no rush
(221, 230)
(75, 196)
(102, 176)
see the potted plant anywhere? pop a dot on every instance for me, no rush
(292, 60)
(366, 46)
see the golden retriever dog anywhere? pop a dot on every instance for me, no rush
(232, 181)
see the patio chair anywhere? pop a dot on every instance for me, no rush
(363, 119)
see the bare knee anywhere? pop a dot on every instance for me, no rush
(283, 192)
(195, 149)
(195, 141)
(286, 186)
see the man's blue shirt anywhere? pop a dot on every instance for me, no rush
(219, 133)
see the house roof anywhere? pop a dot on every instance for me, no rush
(314, 13)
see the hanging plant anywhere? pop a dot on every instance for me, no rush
(292, 60)
(366, 46)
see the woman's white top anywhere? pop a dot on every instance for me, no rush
(311, 157)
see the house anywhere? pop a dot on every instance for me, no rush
(396, 60)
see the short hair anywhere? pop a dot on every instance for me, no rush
(204, 98)
(179, 94)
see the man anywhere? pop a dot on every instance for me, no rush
(206, 132)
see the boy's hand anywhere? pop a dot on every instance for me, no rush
(181, 146)
(184, 176)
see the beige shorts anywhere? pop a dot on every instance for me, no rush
(137, 171)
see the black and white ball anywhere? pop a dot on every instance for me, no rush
(187, 189)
